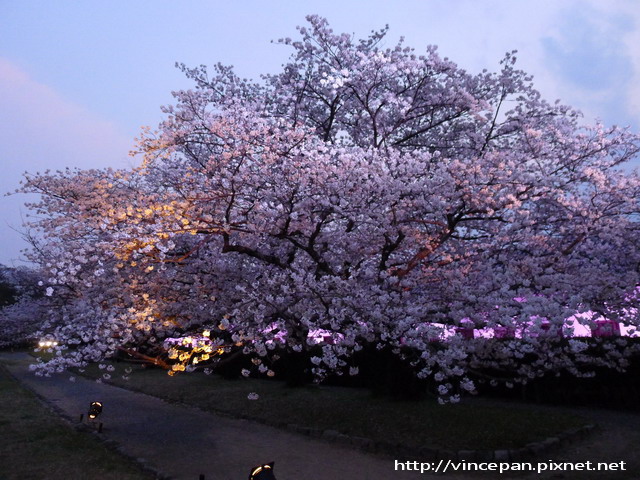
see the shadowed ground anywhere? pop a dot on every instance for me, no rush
(183, 442)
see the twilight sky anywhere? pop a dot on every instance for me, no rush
(79, 78)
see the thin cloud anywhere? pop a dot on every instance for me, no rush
(42, 130)
(590, 54)
(594, 52)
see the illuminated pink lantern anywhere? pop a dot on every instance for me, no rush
(606, 328)
(550, 330)
(465, 330)
(504, 332)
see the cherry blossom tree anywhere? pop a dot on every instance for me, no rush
(363, 196)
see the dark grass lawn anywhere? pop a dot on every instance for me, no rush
(352, 411)
(36, 444)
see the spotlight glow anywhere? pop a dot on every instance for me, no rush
(95, 409)
(263, 472)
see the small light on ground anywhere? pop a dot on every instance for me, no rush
(95, 409)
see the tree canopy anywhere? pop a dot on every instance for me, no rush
(362, 196)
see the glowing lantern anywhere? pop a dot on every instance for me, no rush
(95, 409)
(263, 472)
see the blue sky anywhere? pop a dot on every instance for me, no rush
(79, 78)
